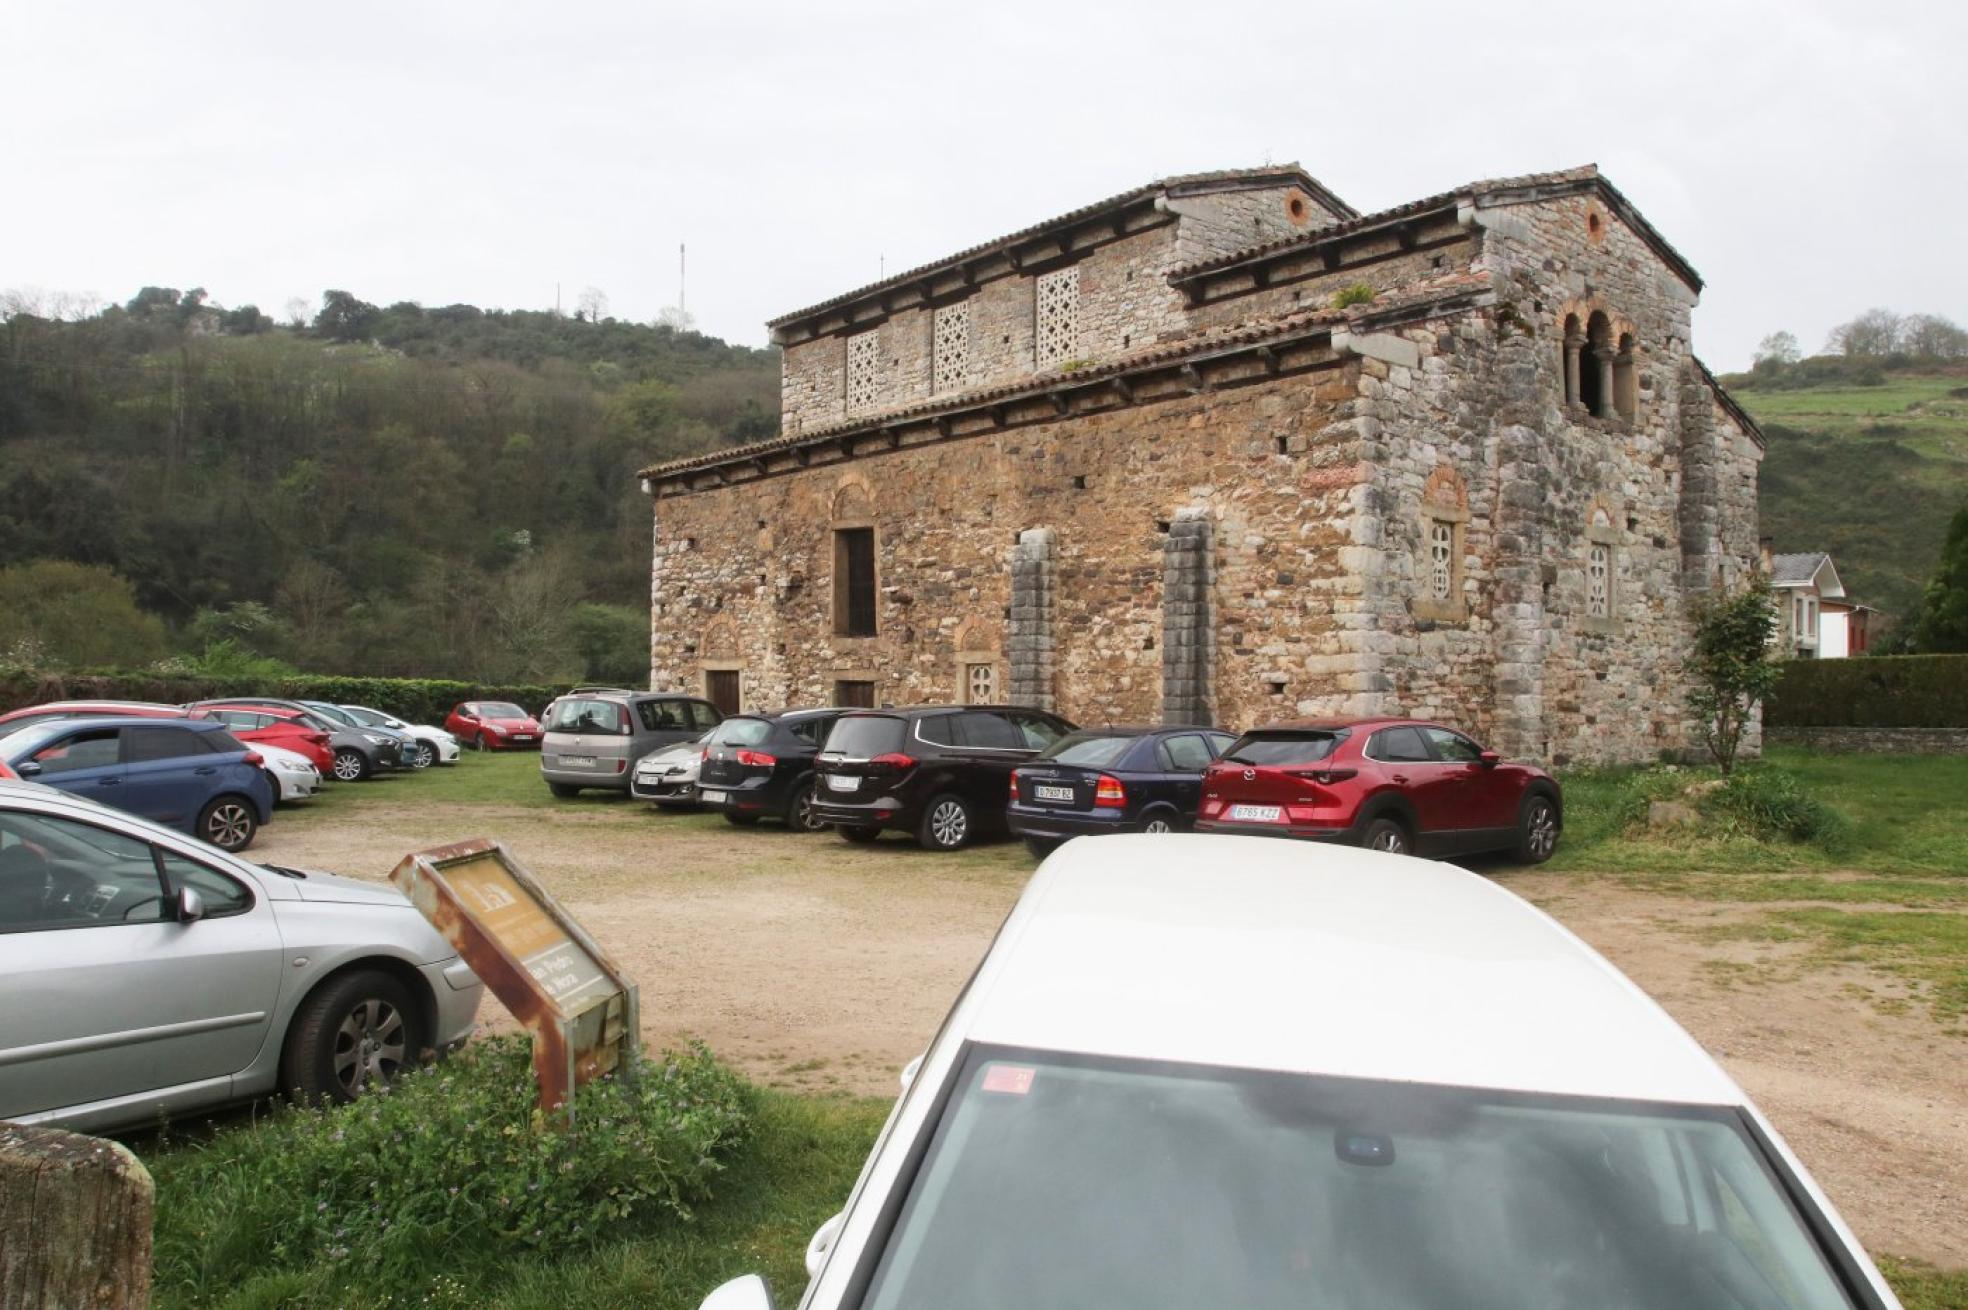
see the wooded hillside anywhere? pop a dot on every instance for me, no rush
(394, 490)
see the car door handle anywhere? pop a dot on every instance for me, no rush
(206, 770)
(109, 782)
(1400, 777)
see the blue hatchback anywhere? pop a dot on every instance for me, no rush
(188, 773)
(1112, 780)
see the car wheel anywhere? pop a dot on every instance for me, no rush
(1159, 821)
(229, 823)
(351, 765)
(1040, 847)
(799, 811)
(738, 820)
(273, 786)
(859, 834)
(1387, 835)
(361, 1028)
(422, 755)
(1537, 830)
(478, 741)
(945, 824)
(564, 790)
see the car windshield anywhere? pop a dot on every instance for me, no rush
(864, 736)
(1281, 748)
(498, 709)
(13, 726)
(1064, 1181)
(367, 718)
(740, 732)
(1089, 750)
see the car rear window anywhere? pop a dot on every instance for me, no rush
(864, 736)
(740, 732)
(1282, 747)
(1088, 750)
(590, 716)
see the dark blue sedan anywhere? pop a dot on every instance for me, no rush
(1112, 780)
(190, 774)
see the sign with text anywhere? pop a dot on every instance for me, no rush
(580, 1008)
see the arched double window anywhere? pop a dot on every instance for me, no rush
(1599, 367)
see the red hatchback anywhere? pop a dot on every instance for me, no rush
(493, 725)
(273, 725)
(1392, 784)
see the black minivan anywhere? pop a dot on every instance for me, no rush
(760, 766)
(942, 772)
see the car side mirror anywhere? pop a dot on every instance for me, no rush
(191, 906)
(747, 1293)
(1489, 759)
(28, 769)
(821, 1243)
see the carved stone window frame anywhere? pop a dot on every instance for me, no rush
(1607, 536)
(861, 379)
(965, 661)
(951, 363)
(1056, 318)
(1444, 503)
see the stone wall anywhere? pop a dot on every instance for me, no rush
(1875, 741)
(1224, 222)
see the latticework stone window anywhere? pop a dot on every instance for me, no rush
(1441, 559)
(951, 348)
(863, 371)
(1056, 324)
(1599, 581)
(980, 684)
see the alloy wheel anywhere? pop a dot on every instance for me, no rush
(1157, 824)
(370, 1045)
(804, 817)
(1541, 827)
(1390, 840)
(228, 826)
(425, 756)
(948, 824)
(348, 766)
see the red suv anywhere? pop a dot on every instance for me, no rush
(1392, 784)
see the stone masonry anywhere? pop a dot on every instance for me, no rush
(1165, 471)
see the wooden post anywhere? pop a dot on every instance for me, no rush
(75, 1218)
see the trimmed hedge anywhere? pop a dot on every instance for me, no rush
(1887, 691)
(415, 700)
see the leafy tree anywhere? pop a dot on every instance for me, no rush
(1731, 666)
(612, 642)
(1777, 351)
(75, 616)
(1875, 332)
(1942, 627)
(344, 318)
(1933, 336)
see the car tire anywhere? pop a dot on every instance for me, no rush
(1537, 829)
(359, 1026)
(566, 791)
(422, 756)
(228, 822)
(350, 765)
(1158, 821)
(1389, 835)
(1040, 847)
(946, 824)
(738, 820)
(858, 833)
(273, 787)
(799, 810)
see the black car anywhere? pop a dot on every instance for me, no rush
(942, 773)
(760, 766)
(359, 752)
(1112, 780)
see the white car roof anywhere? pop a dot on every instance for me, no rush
(1261, 953)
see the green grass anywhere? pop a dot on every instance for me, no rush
(1923, 1287)
(795, 1168)
(1927, 950)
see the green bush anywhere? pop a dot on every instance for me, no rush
(418, 700)
(444, 1167)
(1897, 691)
(1770, 804)
(1360, 293)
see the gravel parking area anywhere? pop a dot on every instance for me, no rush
(819, 966)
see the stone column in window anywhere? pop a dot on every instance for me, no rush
(1602, 359)
(1574, 343)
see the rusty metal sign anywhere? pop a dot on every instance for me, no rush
(561, 986)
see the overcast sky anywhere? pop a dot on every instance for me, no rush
(1808, 156)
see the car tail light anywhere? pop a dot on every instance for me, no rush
(318, 738)
(895, 760)
(1108, 793)
(1324, 776)
(621, 766)
(1014, 784)
(255, 759)
(756, 759)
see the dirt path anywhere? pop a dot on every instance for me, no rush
(818, 966)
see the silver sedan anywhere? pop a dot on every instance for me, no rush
(147, 974)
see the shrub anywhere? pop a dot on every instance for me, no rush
(418, 700)
(1892, 691)
(1770, 804)
(1357, 294)
(444, 1166)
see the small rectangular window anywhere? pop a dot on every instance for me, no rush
(1056, 318)
(863, 371)
(855, 694)
(980, 684)
(854, 582)
(950, 346)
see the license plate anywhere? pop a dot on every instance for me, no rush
(715, 797)
(841, 782)
(1052, 793)
(578, 761)
(1257, 813)
(522, 736)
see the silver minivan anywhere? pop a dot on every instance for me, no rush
(594, 738)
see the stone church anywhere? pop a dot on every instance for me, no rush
(1221, 449)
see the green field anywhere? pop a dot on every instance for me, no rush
(1871, 474)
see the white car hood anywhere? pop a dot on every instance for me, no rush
(348, 891)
